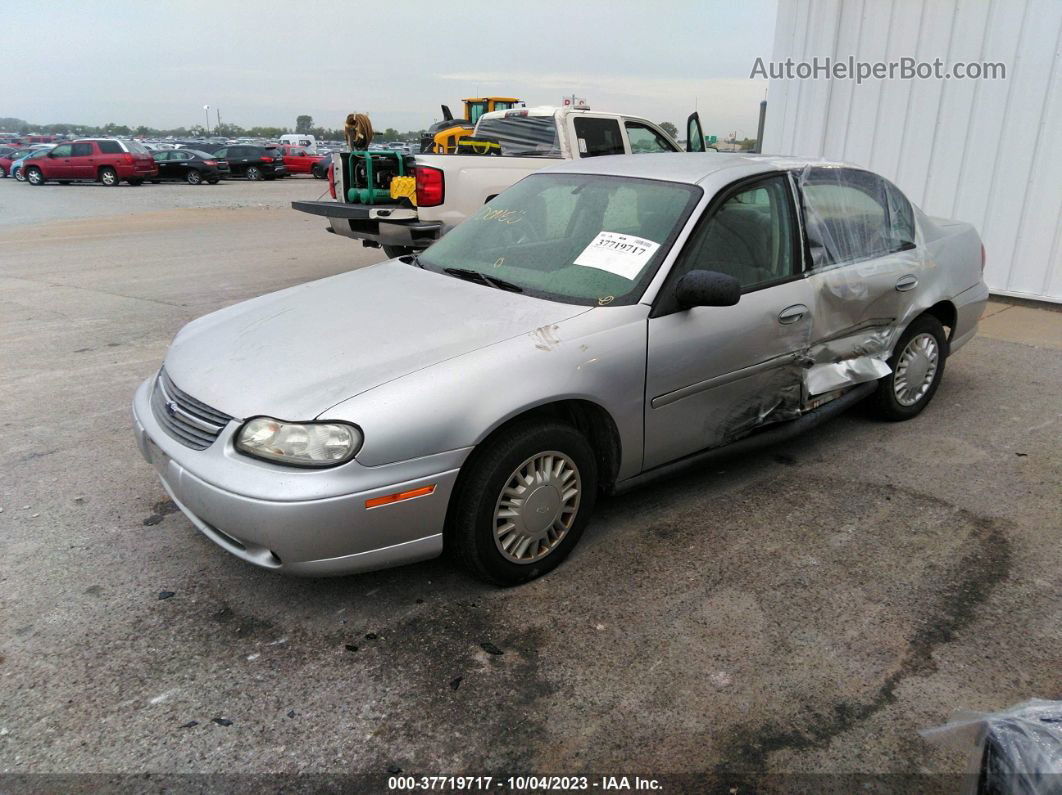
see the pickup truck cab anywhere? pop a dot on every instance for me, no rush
(451, 187)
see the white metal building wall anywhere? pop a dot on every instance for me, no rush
(985, 151)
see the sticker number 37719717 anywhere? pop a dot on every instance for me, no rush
(623, 255)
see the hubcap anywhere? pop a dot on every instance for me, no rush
(536, 507)
(33, 177)
(915, 369)
(108, 178)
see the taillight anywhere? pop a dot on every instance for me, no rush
(430, 187)
(210, 162)
(332, 179)
(128, 157)
(982, 258)
(267, 159)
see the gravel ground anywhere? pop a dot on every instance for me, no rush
(804, 610)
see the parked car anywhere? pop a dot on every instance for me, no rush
(451, 187)
(105, 160)
(191, 166)
(17, 170)
(595, 326)
(8, 160)
(253, 162)
(203, 146)
(298, 161)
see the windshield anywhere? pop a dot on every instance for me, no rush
(576, 238)
(523, 136)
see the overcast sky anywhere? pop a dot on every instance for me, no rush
(263, 62)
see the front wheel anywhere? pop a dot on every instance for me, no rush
(917, 366)
(524, 501)
(109, 177)
(254, 173)
(34, 176)
(194, 177)
(17, 174)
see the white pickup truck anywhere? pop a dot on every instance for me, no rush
(450, 187)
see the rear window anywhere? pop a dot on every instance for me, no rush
(110, 147)
(522, 136)
(133, 146)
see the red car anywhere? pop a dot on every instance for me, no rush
(106, 160)
(7, 158)
(299, 161)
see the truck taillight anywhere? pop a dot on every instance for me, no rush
(430, 186)
(982, 258)
(332, 179)
(128, 157)
(267, 159)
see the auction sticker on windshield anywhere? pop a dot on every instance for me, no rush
(624, 255)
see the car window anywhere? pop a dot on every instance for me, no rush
(110, 147)
(522, 135)
(749, 236)
(81, 150)
(901, 218)
(161, 156)
(644, 139)
(63, 150)
(598, 136)
(846, 215)
(298, 152)
(182, 155)
(223, 152)
(136, 146)
(578, 238)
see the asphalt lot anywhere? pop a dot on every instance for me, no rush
(803, 610)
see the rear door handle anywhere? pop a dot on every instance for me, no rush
(905, 283)
(791, 314)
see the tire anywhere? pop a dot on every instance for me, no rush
(17, 174)
(530, 449)
(109, 177)
(3, 172)
(193, 177)
(394, 252)
(253, 173)
(135, 181)
(34, 176)
(917, 366)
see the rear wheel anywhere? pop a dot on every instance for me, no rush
(3, 172)
(109, 177)
(253, 173)
(193, 177)
(917, 366)
(34, 176)
(524, 501)
(17, 174)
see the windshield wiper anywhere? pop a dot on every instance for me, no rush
(412, 259)
(475, 276)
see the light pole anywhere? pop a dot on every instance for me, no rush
(206, 111)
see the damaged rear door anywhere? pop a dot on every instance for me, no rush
(715, 373)
(865, 266)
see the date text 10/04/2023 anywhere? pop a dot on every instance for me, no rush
(524, 783)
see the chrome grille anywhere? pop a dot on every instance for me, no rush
(189, 421)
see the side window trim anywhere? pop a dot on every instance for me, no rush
(663, 304)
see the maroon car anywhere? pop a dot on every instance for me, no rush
(106, 160)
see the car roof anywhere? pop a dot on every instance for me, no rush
(688, 167)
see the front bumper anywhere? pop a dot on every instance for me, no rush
(295, 521)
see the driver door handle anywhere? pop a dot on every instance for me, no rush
(791, 314)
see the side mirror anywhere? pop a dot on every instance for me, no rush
(707, 288)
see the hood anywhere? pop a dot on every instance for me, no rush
(295, 353)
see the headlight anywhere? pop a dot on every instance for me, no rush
(303, 444)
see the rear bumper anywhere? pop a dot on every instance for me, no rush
(306, 523)
(386, 224)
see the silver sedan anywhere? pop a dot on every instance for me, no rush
(599, 324)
